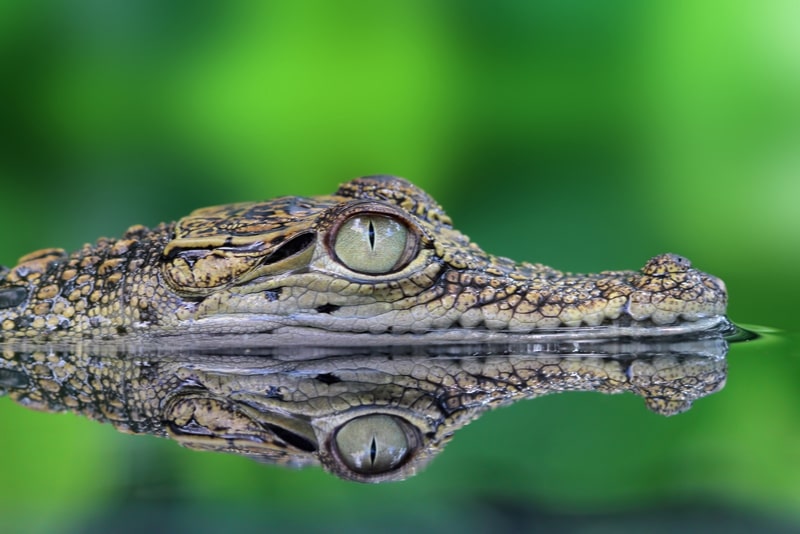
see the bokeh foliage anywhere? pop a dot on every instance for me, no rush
(585, 135)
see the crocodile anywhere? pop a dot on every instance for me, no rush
(365, 414)
(378, 261)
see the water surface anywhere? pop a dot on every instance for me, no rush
(606, 458)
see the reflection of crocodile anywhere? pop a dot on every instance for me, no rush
(365, 414)
(379, 257)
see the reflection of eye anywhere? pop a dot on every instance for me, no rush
(374, 244)
(373, 444)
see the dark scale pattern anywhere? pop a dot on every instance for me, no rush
(94, 293)
(123, 392)
(217, 269)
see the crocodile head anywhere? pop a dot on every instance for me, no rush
(380, 256)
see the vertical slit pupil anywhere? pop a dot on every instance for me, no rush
(373, 450)
(371, 234)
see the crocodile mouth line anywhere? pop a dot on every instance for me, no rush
(255, 330)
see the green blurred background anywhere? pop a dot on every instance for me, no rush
(585, 135)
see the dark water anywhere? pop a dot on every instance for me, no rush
(725, 458)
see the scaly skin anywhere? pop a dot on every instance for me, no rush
(400, 407)
(277, 267)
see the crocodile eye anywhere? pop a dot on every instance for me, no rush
(373, 444)
(372, 243)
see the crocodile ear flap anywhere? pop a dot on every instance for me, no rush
(195, 271)
(222, 246)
